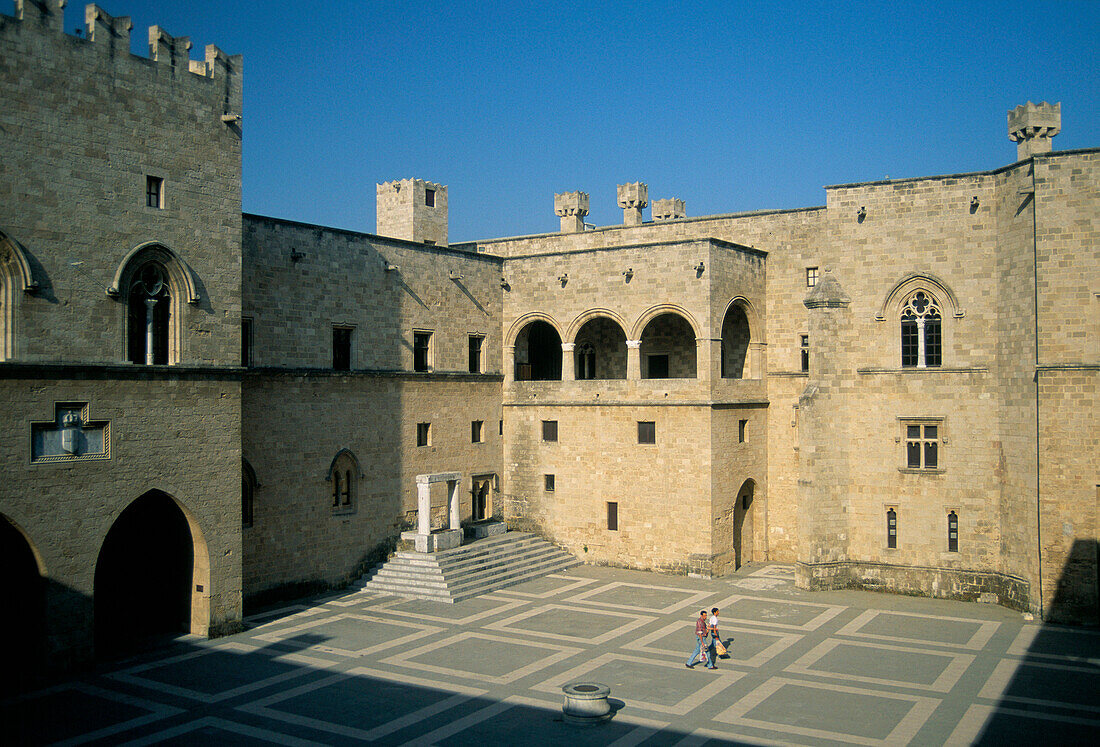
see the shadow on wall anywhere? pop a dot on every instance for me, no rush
(1053, 688)
(212, 695)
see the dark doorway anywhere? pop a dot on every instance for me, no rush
(23, 623)
(482, 492)
(538, 353)
(143, 577)
(743, 524)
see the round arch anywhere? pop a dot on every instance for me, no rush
(534, 352)
(586, 316)
(534, 316)
(665, 308)
(756, 332)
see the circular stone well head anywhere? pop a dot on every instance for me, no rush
(586, 703)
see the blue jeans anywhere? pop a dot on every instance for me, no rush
(701, 652)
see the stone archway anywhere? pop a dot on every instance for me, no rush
(23, 625)
(743, 524)
(145, 577)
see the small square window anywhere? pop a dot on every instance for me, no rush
(154, 192)
(811, 277)
(804, 350)
(246, 341)
(477, 428)
(475, 353)
(429, 197)
(422, 351)
(612, 516)
(341, 348)
(423, 434)
(741, 426)
(647, 432)
(549, 430)
(548, 483)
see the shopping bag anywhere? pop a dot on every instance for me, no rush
(719, 648)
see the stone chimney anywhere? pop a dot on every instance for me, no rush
(1031, 126)
(571, 207)
(632, 198)
(412, 209)
(668, 209)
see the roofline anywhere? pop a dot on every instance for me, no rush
(643, 245)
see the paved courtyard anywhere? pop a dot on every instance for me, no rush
(820, 668)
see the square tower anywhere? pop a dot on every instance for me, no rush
(412, 209)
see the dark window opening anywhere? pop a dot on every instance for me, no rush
(805, 352)
(548, 483)
(549, 430)
(501, 428)
(476, 428)
(613, 516)
(246, 341)
(538, 353)
(657, 366)
(892, 529)
(248, 495)
(922, 446)
(149, 311)
(341, 348)
(154, 192)
(475, 353)
(811, 277)
(741, 425)
(952, 532)
(429, 197)
(423, 434)
(422, 351)
(647, 432)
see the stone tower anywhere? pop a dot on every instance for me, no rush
(412, 209)
(1031, 126)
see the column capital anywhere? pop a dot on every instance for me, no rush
(633, 344)
(568, 347)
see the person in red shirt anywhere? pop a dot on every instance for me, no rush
(701, 652)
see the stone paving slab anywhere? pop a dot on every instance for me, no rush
(841, 667)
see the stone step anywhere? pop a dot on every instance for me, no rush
(485, 565)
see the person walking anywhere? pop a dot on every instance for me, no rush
(700, 642)
(715, 638)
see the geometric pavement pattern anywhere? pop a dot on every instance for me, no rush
(804, 668)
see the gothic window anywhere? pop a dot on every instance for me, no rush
(343, 480)
(952, 532)
(892, 528)
(149, 314)
(586, 361)
(921, 333)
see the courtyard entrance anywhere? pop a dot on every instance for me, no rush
(24, 621)
(143, 576)
(743, 524)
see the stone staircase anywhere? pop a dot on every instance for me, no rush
(481, 566)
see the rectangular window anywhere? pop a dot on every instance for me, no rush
(741, 426)
(154, 192)
(422, 351)
(475, 353)
(952, 532)
(922, 446)
(910, 350)
(613, 516)
(804, 350)
(811, 277)
(341, 348)
(647, 432)
(429, 197)
(423, 434)
(246, 341)
(501, 428)
(657, 366)
(476, 431)
(933, 343)
(892, 528)
(549, 430)
(548, 483)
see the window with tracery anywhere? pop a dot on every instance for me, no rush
(921, 332)
(345, 479)
(149, 307)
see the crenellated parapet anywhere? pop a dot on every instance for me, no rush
(668, 209)
(1031, 127)
(108, 33)
(571, 207)
(46, 14)
(632, 198)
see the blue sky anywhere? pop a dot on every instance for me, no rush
(729, 106)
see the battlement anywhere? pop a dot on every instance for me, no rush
(1031, 127)
(668, 209)
(110, 35)
(632, 198)
(571, 207)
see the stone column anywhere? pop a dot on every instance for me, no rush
(708, 359)
(633, 359)
(423, 505)
(452, 499)
(149, 326)
(568, 363)
(571, 207)
(757, 362)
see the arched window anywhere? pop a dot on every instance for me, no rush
(952, 532)
(921, 332)
(248, 493)
(343, 480)
(149, 312)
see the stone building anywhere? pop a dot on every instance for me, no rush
(199, 407)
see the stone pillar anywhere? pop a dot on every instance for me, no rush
(633, 359)
(668, 209)
(571, 207)
(509, 364)
(568, 364)
(423, 505)
(708, 358)
(1031, 127)
(149, 330)
(452, 500)
(757, 362)
(632, 198)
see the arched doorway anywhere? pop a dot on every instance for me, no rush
(735, 343)
(538, 353)
(743, 515)
(23, 623)
(143, 576)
